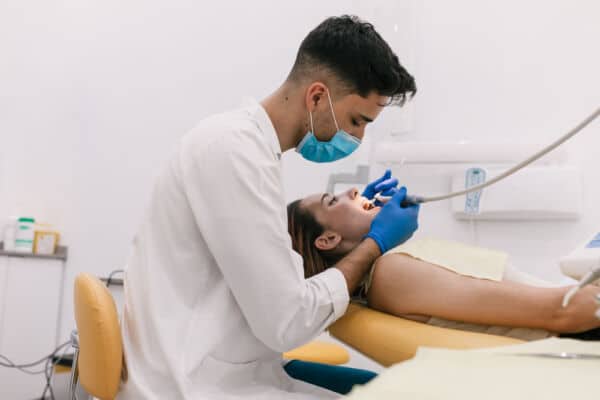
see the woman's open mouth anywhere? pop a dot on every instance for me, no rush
(367, 205)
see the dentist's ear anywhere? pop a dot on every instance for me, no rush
(315, 93)
(328, 240)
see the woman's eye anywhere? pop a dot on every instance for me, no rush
(333, 200)
(355, 122)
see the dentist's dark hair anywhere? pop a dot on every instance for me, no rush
(304, 229)
(357, 56)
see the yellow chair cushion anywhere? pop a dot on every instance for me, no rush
(321, 352)
(100, 346)
(388, 339)
(61, 369)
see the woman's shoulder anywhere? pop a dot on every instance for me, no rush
(393, 258)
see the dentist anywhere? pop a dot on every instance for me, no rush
(214, 292)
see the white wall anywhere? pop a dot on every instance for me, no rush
(94, 94)
(521, 71)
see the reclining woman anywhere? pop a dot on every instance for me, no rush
(438, 282)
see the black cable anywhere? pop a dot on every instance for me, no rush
(48, 376)
(49, 371)
(110, 276)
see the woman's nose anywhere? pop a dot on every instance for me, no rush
(352, 193)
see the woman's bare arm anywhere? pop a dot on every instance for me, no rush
(404, 285)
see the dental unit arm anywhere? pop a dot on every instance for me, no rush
(410, 200)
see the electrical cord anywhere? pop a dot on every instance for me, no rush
(22, 369)
(31, 364)
(47, 371)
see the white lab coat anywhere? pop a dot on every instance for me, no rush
(214, 292)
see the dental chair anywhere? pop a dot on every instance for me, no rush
(98, 364)
(388, 339)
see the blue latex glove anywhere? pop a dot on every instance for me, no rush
(386, 185)
(394, 224)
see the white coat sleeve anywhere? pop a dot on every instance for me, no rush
(234, 189)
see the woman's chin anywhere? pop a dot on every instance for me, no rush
(371, 214)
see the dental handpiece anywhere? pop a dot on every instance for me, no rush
(408, 201)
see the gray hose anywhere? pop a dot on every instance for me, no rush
(420, 199)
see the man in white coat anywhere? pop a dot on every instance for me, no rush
(214, 292)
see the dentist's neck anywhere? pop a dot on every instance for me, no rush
(288, 114)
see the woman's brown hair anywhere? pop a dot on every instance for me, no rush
(304, 229)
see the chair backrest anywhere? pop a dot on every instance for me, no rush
(100, 344)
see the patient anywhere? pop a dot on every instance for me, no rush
(423, 281)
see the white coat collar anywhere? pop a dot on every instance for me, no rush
(264, 124)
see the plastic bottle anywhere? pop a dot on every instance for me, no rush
(24, 235)
(10, 230)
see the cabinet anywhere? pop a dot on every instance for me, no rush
(31, 291)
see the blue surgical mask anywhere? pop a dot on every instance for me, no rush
(341, 145)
